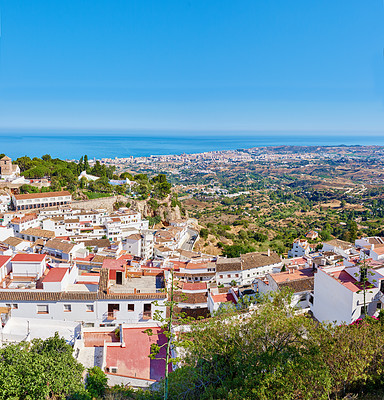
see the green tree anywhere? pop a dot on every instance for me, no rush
(204, 233)
(39, 370)
(96, 382)
(86, 164)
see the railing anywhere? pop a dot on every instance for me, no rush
(147, 315)
(110, 315)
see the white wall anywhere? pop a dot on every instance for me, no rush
(332, 300)
(79, 311)
(226, 277)
(28, 268)
(5, 233)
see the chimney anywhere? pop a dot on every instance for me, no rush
(269, 253)
(372, 246)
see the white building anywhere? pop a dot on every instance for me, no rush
(28, 266)
(88, 177)
(339, 294)
(31, 201)
(299, 280)
(22, 221)
(122, 223)
(64, 250)
(140, 244)
(5, 202)
(345, 249)
(300, 248)
(63, 294)
(245, 269)
(8, 171)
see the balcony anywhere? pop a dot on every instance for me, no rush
(146, 315)
(110, 315)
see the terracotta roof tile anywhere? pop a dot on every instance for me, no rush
(38, 232)
(41, 195)
(58, 244)
(191, 298)
(28, 257)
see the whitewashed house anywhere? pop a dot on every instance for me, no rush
(245, 269)
(300, 248)
(339, 294)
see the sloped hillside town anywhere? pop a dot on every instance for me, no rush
(86, 273)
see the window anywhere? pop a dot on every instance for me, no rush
(89, 307)
(237, 275)
(378, 306)
(8, 305)
(221, 276)
(131, 307)
(15, 306)
(229, 275)
(67, 308)
(147, 314)
(147, 307)
(42, 309)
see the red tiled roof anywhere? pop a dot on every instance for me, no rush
(125, 257)
(347, 280)
(88, 258)
(194, 286)
(55, 275)
(179, 264)
(114, 264)
(223, 298)
(196, 266)
(25, 218)
(4, 259)
(28, 257)
(97, 339)
(41, 195)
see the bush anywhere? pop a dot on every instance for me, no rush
(204, 233)
(154, 220)
(96, 382)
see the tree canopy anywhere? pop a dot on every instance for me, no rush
(39, 369)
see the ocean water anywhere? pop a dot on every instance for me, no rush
(103, 145)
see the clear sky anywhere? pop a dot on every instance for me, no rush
(248, 65)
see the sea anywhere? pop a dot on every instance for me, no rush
(73, 145)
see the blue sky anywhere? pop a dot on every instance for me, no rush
(250, 65)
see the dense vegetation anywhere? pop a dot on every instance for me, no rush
(64, 175)
(39, 370)
(272, 219)
(276, 354)
(272, 354)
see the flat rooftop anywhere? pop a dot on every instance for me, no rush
(132, 360)
(292, 274)
(142, 284)
(16, 329)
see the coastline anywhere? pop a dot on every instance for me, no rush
(68, 146)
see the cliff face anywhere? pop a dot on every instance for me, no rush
(165, 209)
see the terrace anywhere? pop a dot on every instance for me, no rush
(138, 284)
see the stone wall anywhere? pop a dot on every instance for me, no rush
(104, 202)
